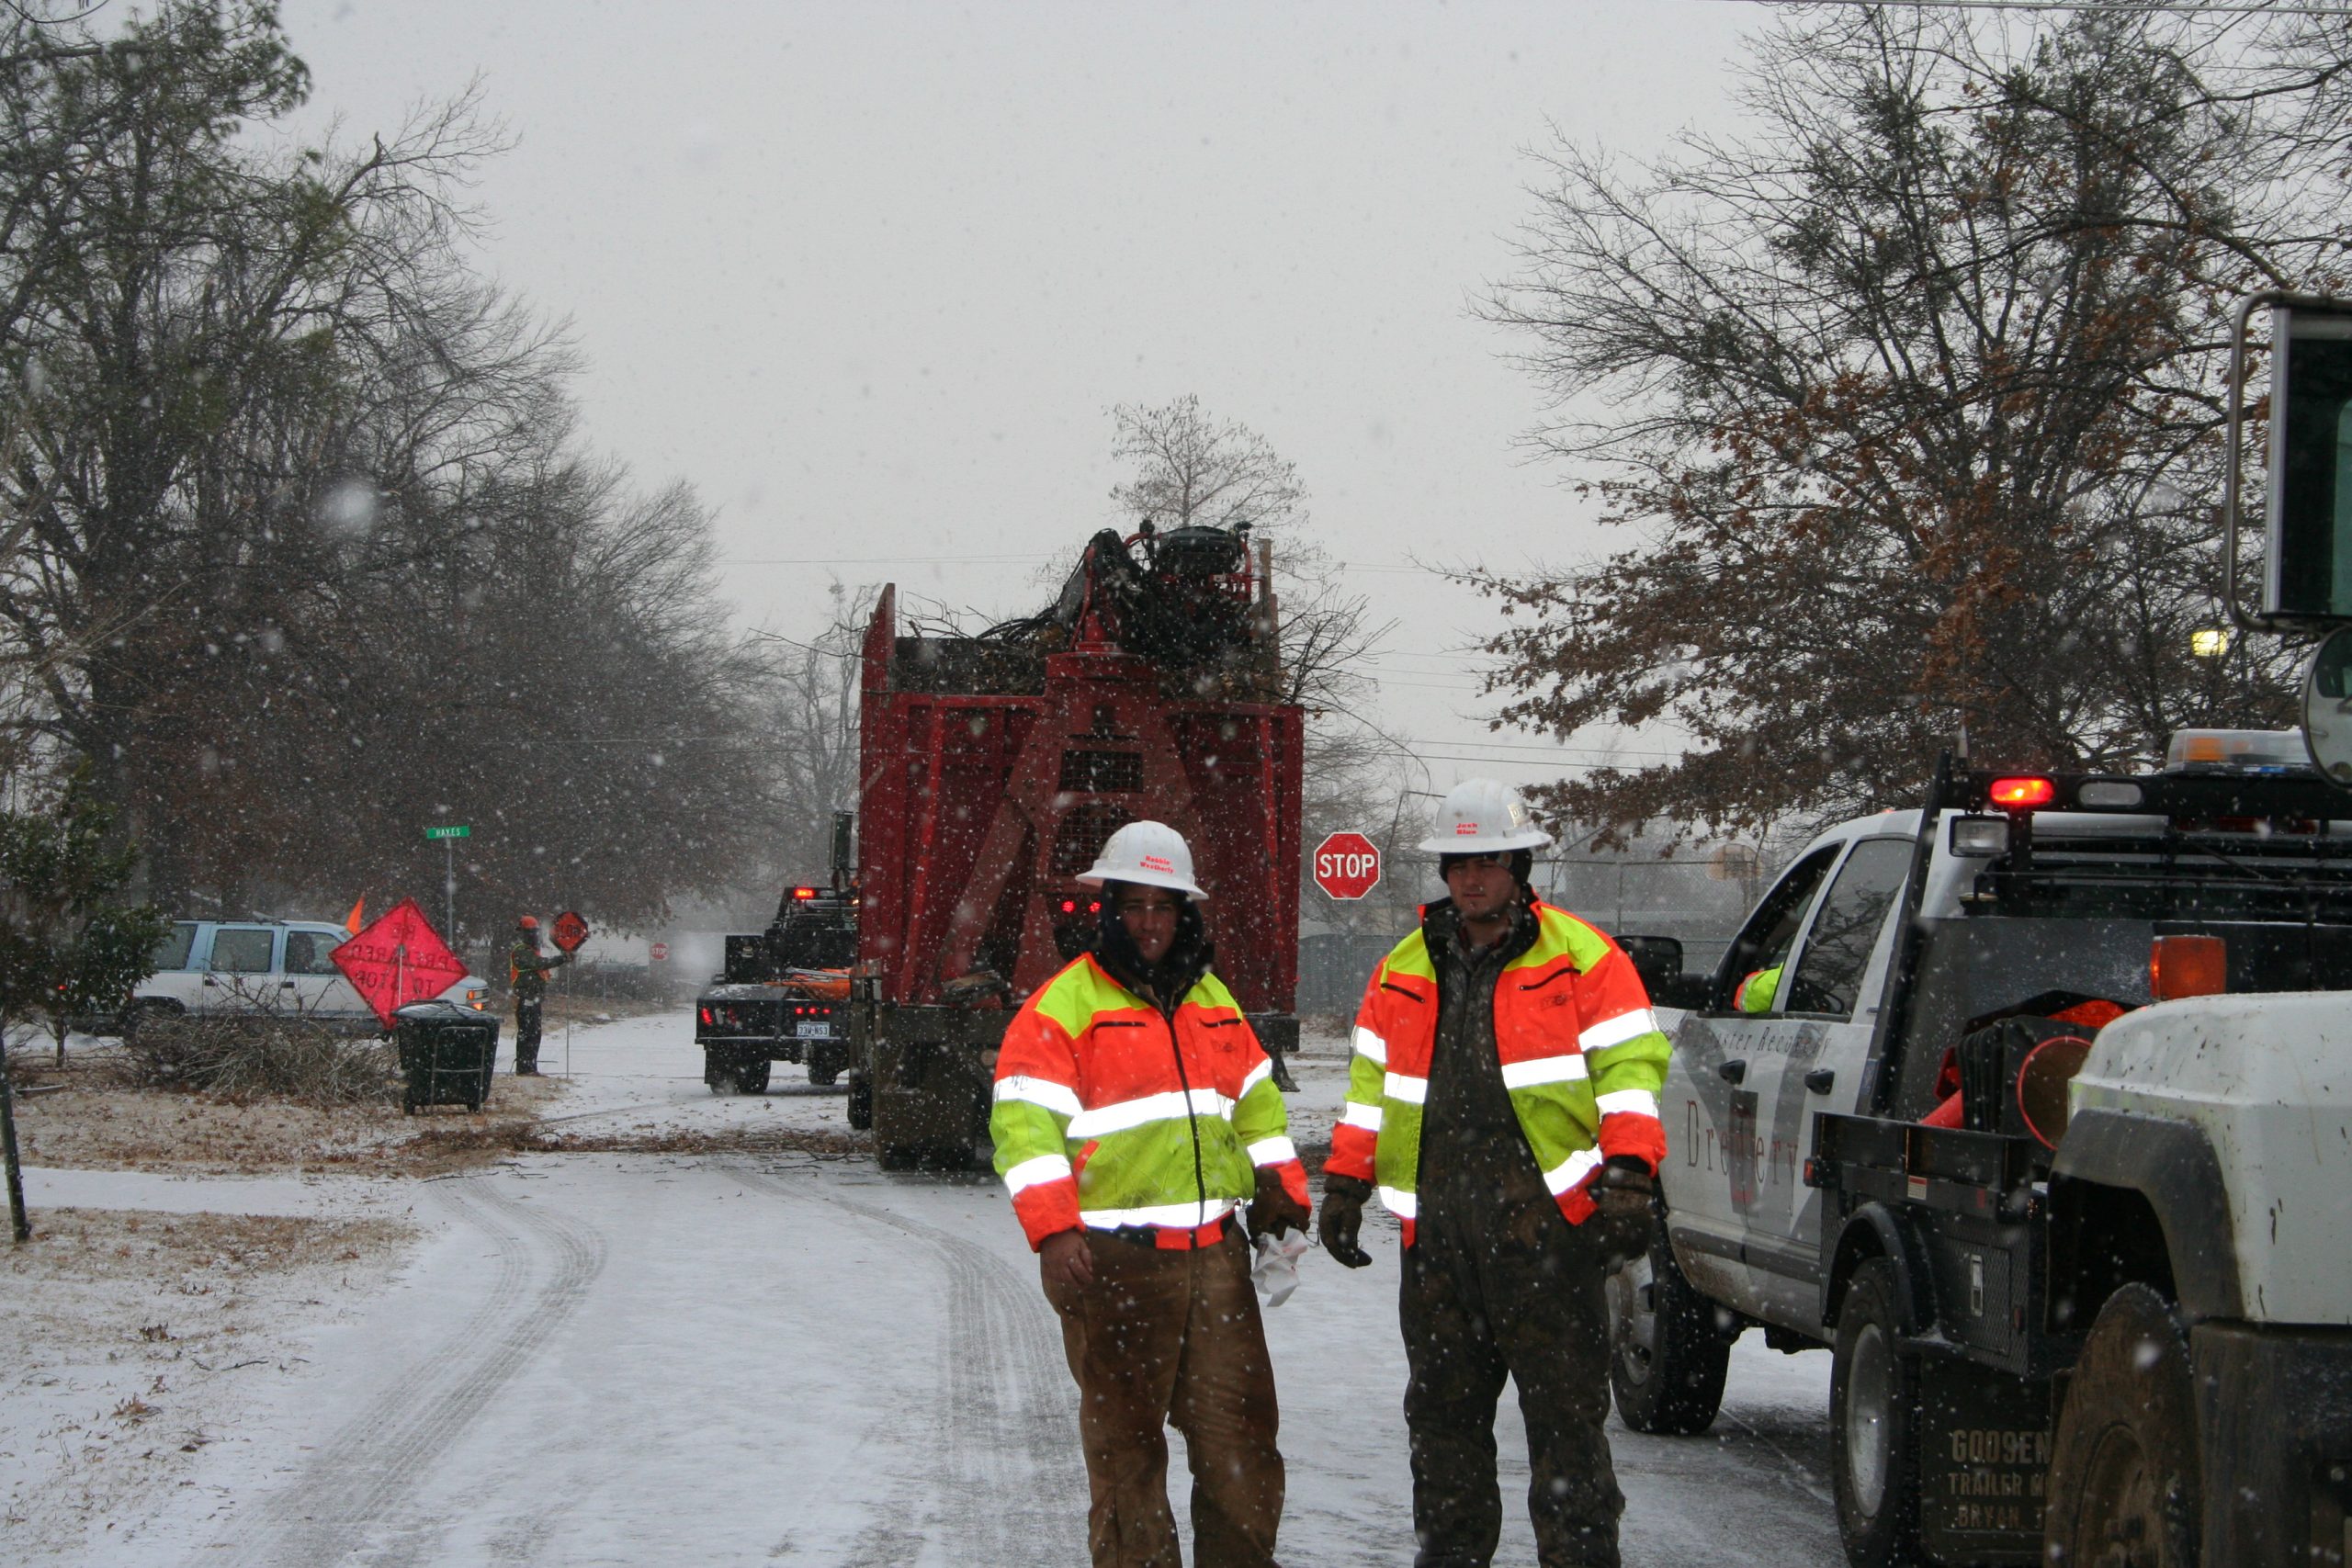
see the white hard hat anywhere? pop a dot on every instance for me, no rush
(1151, 853)
(1480, 816)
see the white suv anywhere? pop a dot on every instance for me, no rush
(211, 967)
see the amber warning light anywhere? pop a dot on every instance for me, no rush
(804, 893)
(2187, 967)
(2022, 795)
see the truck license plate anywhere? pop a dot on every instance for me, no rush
(816, 1031)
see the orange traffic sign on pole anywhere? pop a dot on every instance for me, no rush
(396, 959)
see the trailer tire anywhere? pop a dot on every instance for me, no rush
(1874, 1423)
(861, 1103)
(2125, 1481)
(1667, 1362)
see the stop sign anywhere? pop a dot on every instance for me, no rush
(660, 951)
(1347, 866)
(571, 931)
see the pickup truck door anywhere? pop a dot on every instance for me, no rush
(241, 971)
(1808, 1055)
(316, 985)
(1710, 1107)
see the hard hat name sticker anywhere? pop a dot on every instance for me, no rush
(1159, 863)
(1465, 829)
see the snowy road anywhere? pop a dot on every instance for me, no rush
(623, 1358)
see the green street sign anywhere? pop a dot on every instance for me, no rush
(459, 832)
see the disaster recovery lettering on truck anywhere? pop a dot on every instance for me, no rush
(1882, 1156)
(994, 767)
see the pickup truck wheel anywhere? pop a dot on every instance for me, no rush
(148, 1013)
(718, 1072)
(2125, 1473)
(1666, 1362)
(752, 1077)
(861, 1103)
(1873, 1425)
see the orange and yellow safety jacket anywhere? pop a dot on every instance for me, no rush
(1582, 1058)
(1110, 1113)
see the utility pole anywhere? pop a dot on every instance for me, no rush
(20, 1224)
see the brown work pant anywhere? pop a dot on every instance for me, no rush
(1166, 1337)
(1483, 1302)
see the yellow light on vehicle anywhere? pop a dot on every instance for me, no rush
(2209, 642)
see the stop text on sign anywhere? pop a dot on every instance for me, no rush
(1347, 866)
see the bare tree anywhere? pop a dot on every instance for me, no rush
(1189, 468)
(1909, 393)
(808, 735)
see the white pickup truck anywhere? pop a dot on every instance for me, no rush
(2000, 1100)
(215, 968)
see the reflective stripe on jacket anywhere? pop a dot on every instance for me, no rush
(1100, 1101)
(1581, 1053)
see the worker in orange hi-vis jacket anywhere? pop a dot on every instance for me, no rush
(1135, 1113)
(527, 971)
(1502, 1099)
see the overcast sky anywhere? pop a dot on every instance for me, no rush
(871, 276)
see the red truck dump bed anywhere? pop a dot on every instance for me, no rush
(992, 773)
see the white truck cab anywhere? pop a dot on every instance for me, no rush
(1873, 1146)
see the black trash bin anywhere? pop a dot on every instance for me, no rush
(447, 1054)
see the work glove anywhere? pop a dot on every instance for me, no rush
(1273, 1210)
(1624, 1199)
(1342, 1217)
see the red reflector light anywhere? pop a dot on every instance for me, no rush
(1096, 907)
(2187, 967)
(2022, 795)
(804, 893)
(1069, 906)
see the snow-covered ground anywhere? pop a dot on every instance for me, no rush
(590, 1358)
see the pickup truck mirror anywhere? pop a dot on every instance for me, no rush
(1659, 961)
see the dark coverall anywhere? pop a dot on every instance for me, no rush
(530, 967)
(1498, 1282)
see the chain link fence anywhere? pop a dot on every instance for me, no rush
(1698, 902)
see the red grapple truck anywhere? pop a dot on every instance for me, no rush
(993, 768)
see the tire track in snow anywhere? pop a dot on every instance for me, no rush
(1006, 1483)
(344, 1505)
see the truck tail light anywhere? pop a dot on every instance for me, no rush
(706, 1015)
(2187, 967)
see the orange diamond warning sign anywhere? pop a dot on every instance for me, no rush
(397, 960)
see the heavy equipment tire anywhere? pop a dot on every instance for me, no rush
(2125, 1478)
(898, 1157)
(861, 1103)
(1874, 1424)
(752, 1075)
(1667, 1362)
